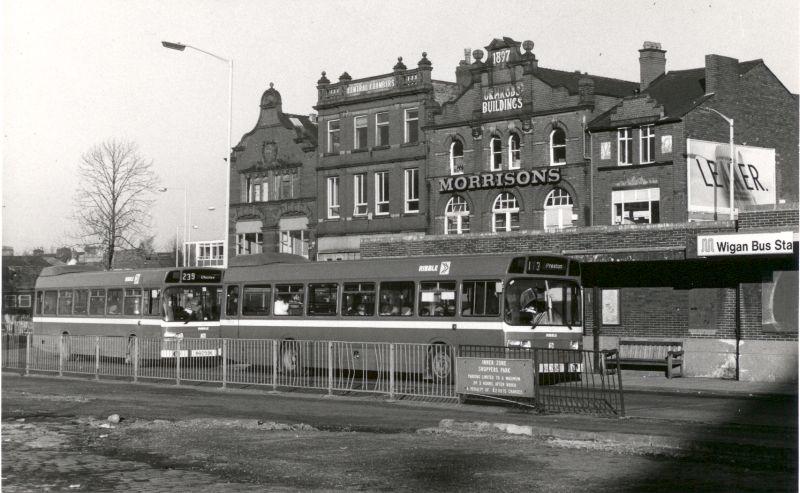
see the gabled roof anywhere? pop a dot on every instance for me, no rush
(602, 85)
(677, 91)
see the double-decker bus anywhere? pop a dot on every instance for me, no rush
(512, 300)
(157, 305)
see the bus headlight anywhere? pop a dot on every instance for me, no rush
(575, 345)
(520, 344)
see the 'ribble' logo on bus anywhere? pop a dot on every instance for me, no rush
(443, 269)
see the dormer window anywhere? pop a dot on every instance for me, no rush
(558, 147)
(513, 152)
(456, 157)
(495, 154)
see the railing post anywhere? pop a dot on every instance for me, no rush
(135, 359)
(177, 361)
(97, 358)
(619, 386)
(391, 371)
(224, 356)
(29, 339)
(61, 355)
(274, 364)
(330, 367)
(535, 363)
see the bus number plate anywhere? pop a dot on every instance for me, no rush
(551, 367)
(204, 352)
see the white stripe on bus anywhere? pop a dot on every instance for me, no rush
(118, 321)
(386, 324)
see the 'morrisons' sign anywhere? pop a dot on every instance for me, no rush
(518, 178)
(745, 244)
(502, 98)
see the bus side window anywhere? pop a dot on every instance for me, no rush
(437, 299)
(358, 299)
(322, 299)
(232, 301)
(256, 300)
(81, 301)
(397, 299)
(289, 299)
(65, 302)
(97, 302)
(480, 298)
(114, 304)
(132, 304)
(38, 302)
(152, 301)
(50, 300)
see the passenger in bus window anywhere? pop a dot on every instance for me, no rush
(295, 305)
(281, 307)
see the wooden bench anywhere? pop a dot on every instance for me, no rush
(667, 354)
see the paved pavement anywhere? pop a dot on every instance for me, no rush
(643, 381)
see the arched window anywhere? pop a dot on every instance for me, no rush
(558, 147)
(505, 213)
(456, 216)
(513, 151)
(558, 209)
(495, 154)
(456, 157)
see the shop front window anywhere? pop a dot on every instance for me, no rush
(639, 206)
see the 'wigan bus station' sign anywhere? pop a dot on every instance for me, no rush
(482, 181)
(745, 244)
(491, 376)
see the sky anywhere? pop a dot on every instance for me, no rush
(77, 73)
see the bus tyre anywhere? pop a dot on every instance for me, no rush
(441, 363)
(289, 357)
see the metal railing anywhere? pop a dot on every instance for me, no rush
(566, 381)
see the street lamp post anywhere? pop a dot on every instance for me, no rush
(182, 47)
(185, 218)
(732, 162)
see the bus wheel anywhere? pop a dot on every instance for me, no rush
(441, 362)
(289, 357)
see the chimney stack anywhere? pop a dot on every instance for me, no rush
(722, 72)
(652, 63)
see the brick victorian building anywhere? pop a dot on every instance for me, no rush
(273, 192)
(629, 176)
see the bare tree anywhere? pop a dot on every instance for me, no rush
(113, 201)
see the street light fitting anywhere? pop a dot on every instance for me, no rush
(173, 46)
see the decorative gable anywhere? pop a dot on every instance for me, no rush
(636, 111)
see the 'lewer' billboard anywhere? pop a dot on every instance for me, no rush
(708, 164)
